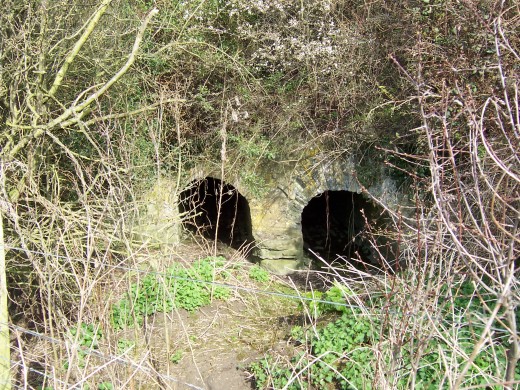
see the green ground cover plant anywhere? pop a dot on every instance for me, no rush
(259, 274)
(176, 357)
(106, 386)
(184, 288)
(342, 351)
(88, 337)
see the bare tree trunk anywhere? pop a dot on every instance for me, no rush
(5, 359)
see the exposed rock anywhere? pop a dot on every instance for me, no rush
(283, 266)
(159, 222)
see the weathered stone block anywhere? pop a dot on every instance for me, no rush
(158, 224)
(283, 266)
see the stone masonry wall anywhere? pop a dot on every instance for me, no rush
(276, 214)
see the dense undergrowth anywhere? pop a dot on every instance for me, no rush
(345, 351)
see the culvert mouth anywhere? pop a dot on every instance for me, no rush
(335, 226)
(216, 210)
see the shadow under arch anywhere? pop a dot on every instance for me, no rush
(342, 225)
(216, 210)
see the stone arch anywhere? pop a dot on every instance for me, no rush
(336, 216)
(333, 223)
(345, 225)
(215, 209)
(280, 228)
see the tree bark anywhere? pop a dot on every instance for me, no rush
(5, 353)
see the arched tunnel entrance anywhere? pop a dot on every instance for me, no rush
(334, 225)
(216, 210)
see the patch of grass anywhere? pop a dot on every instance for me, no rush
(123, 345)
(268, 376)
(338, 356)
(259, 274)
(340, 352)
(332, 300)
(183, 288)
(176, 357)
(88, 336)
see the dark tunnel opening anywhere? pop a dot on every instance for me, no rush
(200, 204)
(334, 226)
